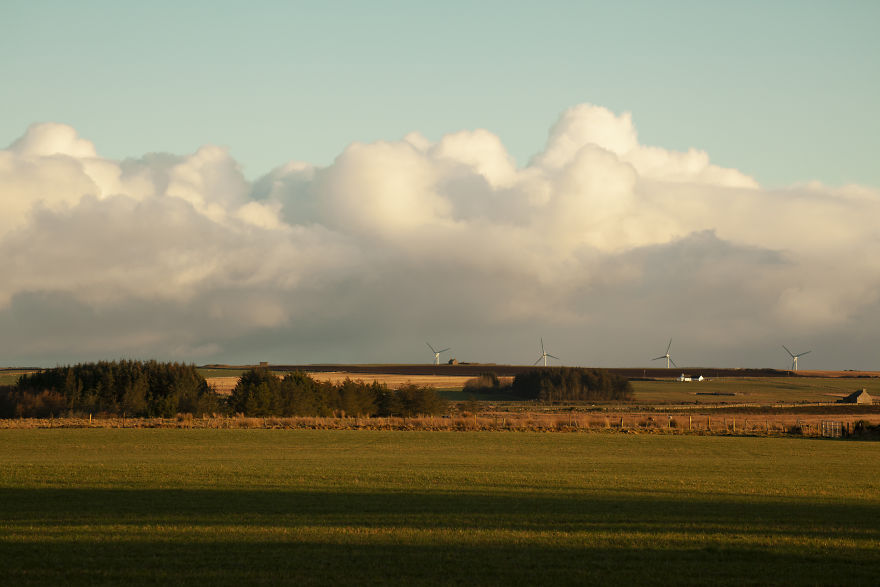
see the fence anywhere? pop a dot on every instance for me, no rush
(831, 429)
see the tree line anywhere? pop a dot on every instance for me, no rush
(554, 384)
(571, 384)
(260, 392)
(136, 388)
(160, 390)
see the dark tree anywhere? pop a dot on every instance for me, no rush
(571, 384)
(260, 392)
(135, 388)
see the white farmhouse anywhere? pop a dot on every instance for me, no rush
(685, 378)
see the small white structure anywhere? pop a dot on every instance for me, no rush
(685, 378)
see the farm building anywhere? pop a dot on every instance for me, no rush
(686, 378)
(858, 397)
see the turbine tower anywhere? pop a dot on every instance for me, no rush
(436, 353)
(794, 357)
(667, 357)
(544, 355)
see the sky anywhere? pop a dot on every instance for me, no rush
(305, 182)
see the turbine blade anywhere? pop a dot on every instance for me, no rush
(658, 358)
(539, 360)
(554, 357)
(669, 346)
(542, 347)
(673, 363)
(806, 353)
(788, 351)
(430, 347)
(443, 351)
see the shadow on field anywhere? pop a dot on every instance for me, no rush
(51, 536)
(563, 512)
(309, 563)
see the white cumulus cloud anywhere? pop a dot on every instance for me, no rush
(602, 244)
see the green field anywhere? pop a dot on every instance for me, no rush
(233, 507)
(10, 377)
(729, 390)
(762, 390)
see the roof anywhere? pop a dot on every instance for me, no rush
(858, 397)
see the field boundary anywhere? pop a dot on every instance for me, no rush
(572, 423)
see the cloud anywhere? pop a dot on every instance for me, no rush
(50, 138)
(600, 243)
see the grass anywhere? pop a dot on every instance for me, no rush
(10, 376)
(766, 390)
(231, 507)
(739, 390)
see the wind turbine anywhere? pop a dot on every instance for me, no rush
(667, 357)
(436, 353)
(794, 357)
(544, 355)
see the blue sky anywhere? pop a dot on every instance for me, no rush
(784, 91)
(309, 181)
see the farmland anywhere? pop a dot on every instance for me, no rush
(9, 376)
(726, 390)
(223, 383)
(728, 401)
(110, 506)
(729, 404)
(752, 390)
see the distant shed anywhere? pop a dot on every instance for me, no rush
(857, 397)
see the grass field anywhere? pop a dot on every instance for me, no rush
(10, 376)
(232, 507)
(763, 390)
